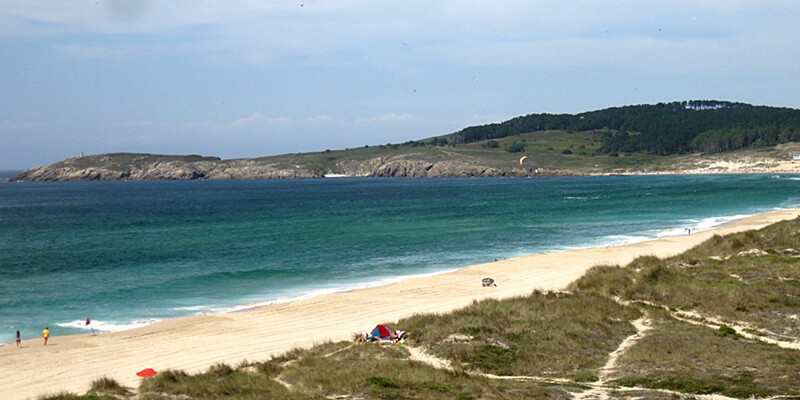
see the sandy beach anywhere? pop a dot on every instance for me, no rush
(70, 363)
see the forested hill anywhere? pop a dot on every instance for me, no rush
(664, 128)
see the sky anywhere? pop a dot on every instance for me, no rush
(247, 78)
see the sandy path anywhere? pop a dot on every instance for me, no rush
(194, 343)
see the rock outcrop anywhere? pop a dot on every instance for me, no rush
(125, 166)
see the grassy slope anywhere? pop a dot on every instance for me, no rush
(545, 150)
(561, 340)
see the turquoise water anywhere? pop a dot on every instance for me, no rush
(130, 253)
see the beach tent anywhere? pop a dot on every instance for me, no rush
(146, 372)
(381, 331)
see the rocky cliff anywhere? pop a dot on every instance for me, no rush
(126, 166)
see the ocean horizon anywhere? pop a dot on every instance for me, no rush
(127, 254)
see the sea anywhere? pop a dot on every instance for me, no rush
(129, 253)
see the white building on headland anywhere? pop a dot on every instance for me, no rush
(795, 156)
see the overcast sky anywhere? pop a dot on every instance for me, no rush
(246, 78)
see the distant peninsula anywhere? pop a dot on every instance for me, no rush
(702, 136)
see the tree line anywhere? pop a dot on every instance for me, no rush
(663, 128)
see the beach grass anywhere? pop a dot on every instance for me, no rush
(339, 370)
(544, 334)
(695, 359)
(219, 381)
(108, 386)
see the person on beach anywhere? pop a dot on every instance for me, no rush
(46, 335)
(19, 340)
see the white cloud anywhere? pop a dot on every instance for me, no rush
(260, 120)
(103, 52)
(385, 119)
(11, 126)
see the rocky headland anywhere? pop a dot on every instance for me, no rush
(127, 166)
(441, 163)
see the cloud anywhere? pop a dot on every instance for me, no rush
(260, 120)
(387, 119)
(127, 10)
(10, 126)
(103, 52)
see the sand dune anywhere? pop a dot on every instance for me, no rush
(194, 343)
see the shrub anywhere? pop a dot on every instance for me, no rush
(517, 146)
(107, 385)
(726, 330)
(381, 381)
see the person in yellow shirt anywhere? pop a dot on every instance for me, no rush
(46, 335)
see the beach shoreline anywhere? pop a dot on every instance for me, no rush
(71, 363)
(102, 327)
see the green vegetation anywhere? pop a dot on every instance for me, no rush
(108, 387)
(548, 334)
(555, 345)
(663, 128)
(694, 359)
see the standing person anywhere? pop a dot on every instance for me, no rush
(19, 340)
(46, 335)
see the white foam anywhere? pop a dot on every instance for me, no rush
(582, 197)
(674, 232)
(106, 326)
(714, 222)
(198, 308)
(701, 225)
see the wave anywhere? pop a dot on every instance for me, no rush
(714, 222)
(675, 232)
(700, 225)
(106, 326)
(583, 198)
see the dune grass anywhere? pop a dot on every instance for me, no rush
(339, 370)
(694, 359)
(544, 334)
(718, 278)
(219, 381)
(108, 386)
